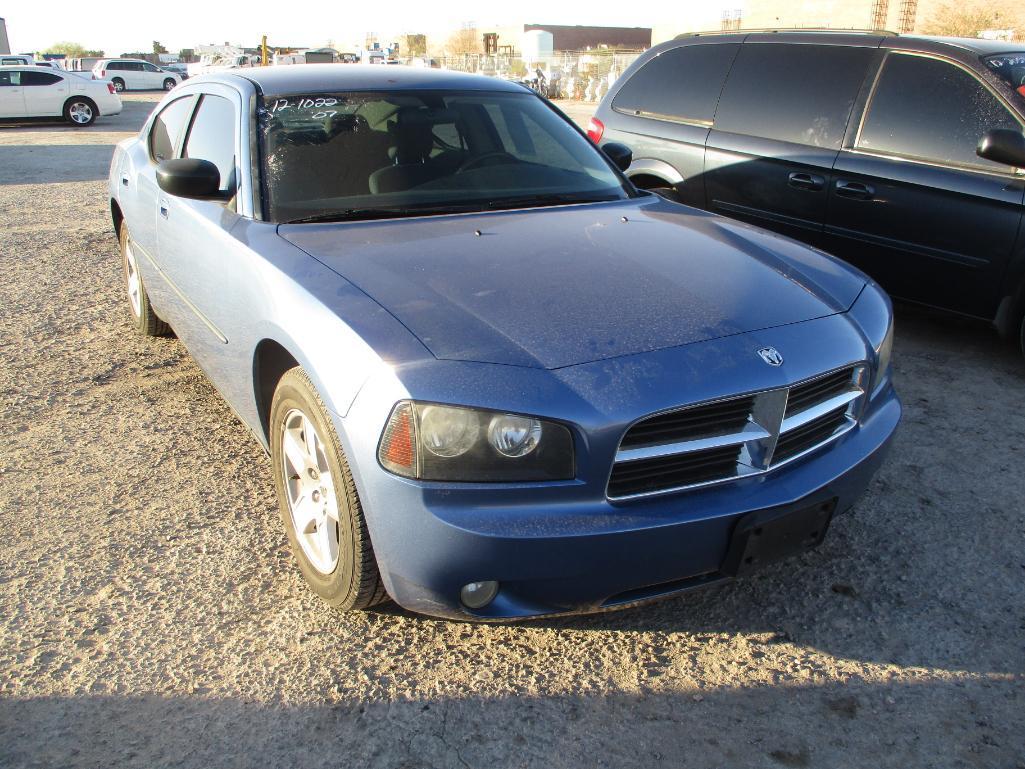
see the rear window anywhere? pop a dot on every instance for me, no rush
(680, 84)
(794, 93)
(39, 78)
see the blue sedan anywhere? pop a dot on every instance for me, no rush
(494, 379)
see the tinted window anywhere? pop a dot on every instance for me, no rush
(39, 78)
(10, 78)
(116, 65)
(12, 61)
(795, 93)
(150, 68)
(679, 83)
(933, 110)
(212, 136)
(167, 127)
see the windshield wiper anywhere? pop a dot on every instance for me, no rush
(363, 214)
(547, 199)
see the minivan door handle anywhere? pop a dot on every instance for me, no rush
(854, 190)
(806, 181)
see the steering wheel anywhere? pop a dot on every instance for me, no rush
(487, 158)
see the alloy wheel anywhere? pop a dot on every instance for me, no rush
(81, 113)
(310, 491)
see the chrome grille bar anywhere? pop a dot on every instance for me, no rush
(701, 445)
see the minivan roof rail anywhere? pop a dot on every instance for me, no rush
(836, 30)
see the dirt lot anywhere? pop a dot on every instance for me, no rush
(150, 614)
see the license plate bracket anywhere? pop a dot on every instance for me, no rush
(764, 536)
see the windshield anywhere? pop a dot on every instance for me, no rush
(1011, 68)
(365, 155)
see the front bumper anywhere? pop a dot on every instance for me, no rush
(554, 554)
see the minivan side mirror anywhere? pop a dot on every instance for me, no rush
(190, 178)
(1002, 145)
(620, 155)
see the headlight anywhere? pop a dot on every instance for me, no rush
(432, 442)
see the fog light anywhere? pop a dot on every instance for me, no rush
(477, 595)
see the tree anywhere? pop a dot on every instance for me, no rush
(72, 50)
(465, 40)
(415, 45)
(962, 20)
(158, 48)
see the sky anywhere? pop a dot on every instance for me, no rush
(116, 29)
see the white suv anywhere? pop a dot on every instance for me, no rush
(30, 91)
(135, 74)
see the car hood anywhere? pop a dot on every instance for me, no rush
(554, 287)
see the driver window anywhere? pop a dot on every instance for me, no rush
(212, 137)
(10, 78)
(167, 127)
(933, 110)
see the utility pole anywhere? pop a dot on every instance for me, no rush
(263, 51)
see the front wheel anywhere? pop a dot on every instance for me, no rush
(169, 84)
(145, 320)
(317, 498)
(80, 112)
(118, 83)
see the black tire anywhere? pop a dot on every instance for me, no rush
(144, 318)
(80, 111)
(1021, 336)
(355, 582)
(169, 84)
(119, 84)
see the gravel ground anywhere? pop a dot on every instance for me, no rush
(150, 614)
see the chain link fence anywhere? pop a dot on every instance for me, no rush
(580, 75)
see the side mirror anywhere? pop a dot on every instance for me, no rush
(620, 155)
(1002, 145)
(190, 178)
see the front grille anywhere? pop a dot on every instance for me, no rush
(817, 390)
(734, 437)
(719, 417)
(629, 478)
(809, 434)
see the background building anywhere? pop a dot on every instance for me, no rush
(579, 38)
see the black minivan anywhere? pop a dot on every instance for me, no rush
(903, 155)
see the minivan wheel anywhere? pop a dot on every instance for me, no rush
(319, 505)
(169, 84)
(145, 320)
(119, 84)
(80, 112)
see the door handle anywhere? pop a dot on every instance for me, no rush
(804, 181)
(124, 180)
(854, 190)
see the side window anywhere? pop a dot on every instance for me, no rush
(929, 109)
(682, 83)
(212, 136)
(39, 78)
(794, 93)
(10, 78)
(115, 66)
(150, 68)
(167, 127)
(5, 62)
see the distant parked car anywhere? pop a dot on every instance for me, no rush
(30, 92)
(135, 75)
(178, 69)
(902, 155)
(13, 59)
(495, 379)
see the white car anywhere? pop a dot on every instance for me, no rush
(135, 74)
(30, 91)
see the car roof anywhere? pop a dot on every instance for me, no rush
(327, 78)
(838, 36)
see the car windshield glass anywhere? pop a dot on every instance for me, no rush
(1011, 68)
(365, 155)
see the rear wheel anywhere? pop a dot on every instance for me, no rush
(169, 84)
(80, 112)
(319, 505)
(145, 320)
(119, 84)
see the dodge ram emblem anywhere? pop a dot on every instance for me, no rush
(771, 356)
